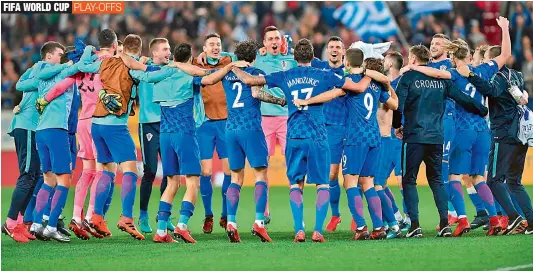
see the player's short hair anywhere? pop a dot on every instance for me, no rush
(355, 57)
(494, 51)
(458, 48)
(50, 47)
(269, 29)
(182, 52)
(212, 35)
(397, 59)
(133, 44)
(374, 64)
(120, 43)
(304, 51)
(421, 53)
(107, 38)
(335, 38)
(482, 49)
(64, 57)
(441, 36)
(155, 42)
(246, 50)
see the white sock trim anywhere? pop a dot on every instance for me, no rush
(471, 190)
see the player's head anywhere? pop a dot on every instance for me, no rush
(492, 52)
(458, 51)
(107, 39)
(160, 50)
(436, 47)
(246, 50)
(303, 51)
(419, 55)
(335, 49)
(393, 60)
(133, 45)
(213, 45)
(354, 58)
(64, 57)
(183, 53)
(374, 64)
(52, 52)
(120, 46)
(479, 55)
(272, 40)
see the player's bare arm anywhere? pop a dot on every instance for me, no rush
(215, 77)
(379, 77)
(321, 98)
(190, 69)
(431, 72)
(506, 42)
(131, 63)
(259, 93)
(392, 102)
(251, 80)
(359, 87)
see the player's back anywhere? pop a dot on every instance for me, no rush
(362, 124)
(304, 82)
(445, 65)
(88, 84)
(334, 110)
(244, 111)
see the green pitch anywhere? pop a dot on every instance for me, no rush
(213, 251)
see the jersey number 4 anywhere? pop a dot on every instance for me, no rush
(307, 91)
(236, 103)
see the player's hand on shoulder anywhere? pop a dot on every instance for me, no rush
(143, 59)
(240, 64)
(405, 69)
(399, 132)
(70, 62)
(463, 70)
(263, 51)
(202, 58)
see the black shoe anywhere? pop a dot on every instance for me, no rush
(529, 230)
(414, 233)
(445, 232)
(61, 227)
(486, 227)
(515, 227)
(479, 221)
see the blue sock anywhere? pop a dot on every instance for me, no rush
(206, 191)
(389, 194)
(187, 210)
(127, 193)
(28, 214)
(386, 208)
(260, 196)
(103, 188)
(374, 207)
(486, 198)
(58, 203)
(334, 197)
(41, 202)
(225, 186)
(163, 214)
(403, 202)
(109, 198)
(297, 207)
(355, 204)
(476, 200)
(47, 208)
(457, 197)
(232, 197)
(515, 202)
(322, 201)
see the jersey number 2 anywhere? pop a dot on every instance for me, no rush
(236, 103)
(307, 91)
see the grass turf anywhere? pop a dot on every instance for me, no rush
(473, 251)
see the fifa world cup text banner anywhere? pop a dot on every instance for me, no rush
(70, 7)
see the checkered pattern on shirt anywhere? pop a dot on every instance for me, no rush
(334, 110)
(178, 119)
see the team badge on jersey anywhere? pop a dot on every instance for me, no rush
(442, 67)
(149, 136)
(284, 65)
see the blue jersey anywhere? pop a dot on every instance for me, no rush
(464, 119)
(334, 110)
(445, 65)
(177, 116)
(244, 111)
(362, 127)
(74, 110)
(304, 83)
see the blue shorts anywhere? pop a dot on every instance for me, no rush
(448, 122)
(113, 143)
(180, 154)
(242, 145)
(336, 134)
(470, 153)
(73, 149)
(212, 134)
(360, 160)
(54, 150)
(387, 160)
(307, 157)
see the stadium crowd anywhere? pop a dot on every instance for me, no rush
(23, 35)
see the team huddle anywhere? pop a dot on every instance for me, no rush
(359, 111)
